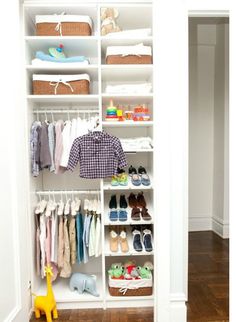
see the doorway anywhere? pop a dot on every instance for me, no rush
(208, 168)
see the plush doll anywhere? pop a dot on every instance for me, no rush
(108, 21)
(145, 270)
(131, 271)
(116, 271)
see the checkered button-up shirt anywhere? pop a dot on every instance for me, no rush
(99, 155)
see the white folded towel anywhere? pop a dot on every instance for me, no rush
(143, 88)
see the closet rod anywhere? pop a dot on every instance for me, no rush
(59, 192)
(65, 111)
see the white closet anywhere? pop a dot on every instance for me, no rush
(131, 16)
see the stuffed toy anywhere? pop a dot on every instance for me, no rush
(131, 271)
(108, 21)
(116, 271)
(145, 270)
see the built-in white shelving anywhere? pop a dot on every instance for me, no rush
(101, 75)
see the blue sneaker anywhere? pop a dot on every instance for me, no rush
(122, 215)
(147, 240)
(137, 240)
(113, 215)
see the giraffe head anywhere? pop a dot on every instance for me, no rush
(48, 270)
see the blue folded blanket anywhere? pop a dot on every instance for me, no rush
(42, 56)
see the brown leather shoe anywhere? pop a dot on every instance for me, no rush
(135, 214)
(141, 200)
(145, 215)
(132, 200)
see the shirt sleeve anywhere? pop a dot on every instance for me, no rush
(120, 154)
(74, 156)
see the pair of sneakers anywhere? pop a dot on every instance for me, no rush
(139, 177)
(142, 239)
(116, 214)
(118, 238)
(120, 179)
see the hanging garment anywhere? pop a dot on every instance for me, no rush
(79, 235)
(60, 243)
(86, 236)
(65, 144)
(45, 158)
(66, 268)
(37, 243)
(59, 146)
(42, 242)
(34, 145)
(48, 241)
(92, 235)
(98, 234)
(51, 142)
(99, 153)
(72, 236)
(54, 236)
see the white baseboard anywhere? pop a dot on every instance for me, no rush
(220, 227)
(178, 308)
(200, 223)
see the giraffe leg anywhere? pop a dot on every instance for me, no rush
(48, 316)
(54, 313)
(37, 313)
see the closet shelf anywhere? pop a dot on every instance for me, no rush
(148, 299)
(130, 186)
(64, 98)
(139, 150)
(127, 124)
(132, 96)
(60, 38)
(63, 293)
(62, 67)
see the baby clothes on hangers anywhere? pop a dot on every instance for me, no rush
(42, 238)
(66, 268)
(99, 153)
(37, 243)
(79, 235)
(59, 146)
(54, 236)
(34, 146)
(45, 158)
(60, 242)
(51, 142)
(72, 237)
(66, 144)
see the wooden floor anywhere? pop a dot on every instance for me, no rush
(208, 287)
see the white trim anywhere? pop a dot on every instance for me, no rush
(178, 311)
(13, 314)
(220, 227)
(208, 13)
(200, 222)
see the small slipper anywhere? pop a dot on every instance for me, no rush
(113, 215)
(122, 215)
(145, 215)
(135, 214)
(145, 180)
(132, 170)
(115, 181)
(135, 179)
(123, 179)
(141, 170)
(147, 240)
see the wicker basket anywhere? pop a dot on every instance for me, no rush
(130, 59)
(44, 86)
(138, 54)
(63, 25)
(142, 291)
(138, 287)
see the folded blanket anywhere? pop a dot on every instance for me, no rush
(44, 63)
(142, 88)
(45, 57)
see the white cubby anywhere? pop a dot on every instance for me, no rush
(32, 10)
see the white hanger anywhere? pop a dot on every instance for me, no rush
(43, 204)
(77, 204)
(86, 204)
(67, 206)
(60, 207)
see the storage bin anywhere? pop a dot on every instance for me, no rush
(138, 287)
(63, 25)
(138, 54)
(61, 84)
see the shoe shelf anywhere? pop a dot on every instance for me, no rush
(130, 186)
(131, 251)
(128, 124)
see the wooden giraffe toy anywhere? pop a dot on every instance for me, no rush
(46, 304)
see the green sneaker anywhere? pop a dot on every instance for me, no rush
(123, 179)
(115, 181)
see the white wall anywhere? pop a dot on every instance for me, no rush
(208, 102)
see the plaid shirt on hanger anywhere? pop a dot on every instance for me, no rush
(99, 154)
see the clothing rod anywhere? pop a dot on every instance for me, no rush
(64, 111)
(64, 192)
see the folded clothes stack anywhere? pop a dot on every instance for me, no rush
(129, 144)
(57, 56)
(144, 88)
